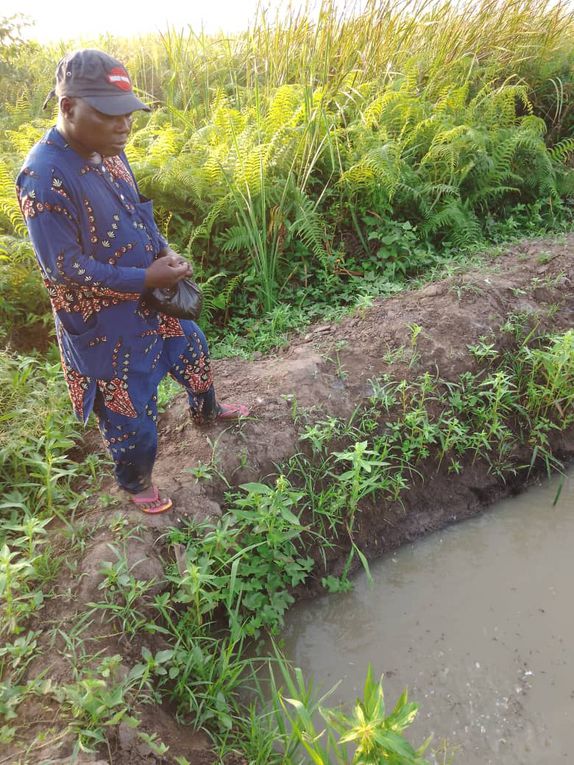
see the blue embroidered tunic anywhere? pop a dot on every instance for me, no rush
(94, 235)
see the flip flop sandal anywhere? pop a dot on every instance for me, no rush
(152, 505)
(232, 411)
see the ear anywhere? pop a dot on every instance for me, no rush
(67, 106)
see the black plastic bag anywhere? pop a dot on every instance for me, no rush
(184, 300)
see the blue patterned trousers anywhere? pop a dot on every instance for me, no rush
(132, 441)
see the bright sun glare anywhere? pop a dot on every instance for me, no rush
(84, 21)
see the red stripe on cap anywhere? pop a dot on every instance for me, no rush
(118, 77)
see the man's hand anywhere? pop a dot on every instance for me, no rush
(167, 270)
(167, 251)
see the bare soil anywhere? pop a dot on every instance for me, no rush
(328, 371)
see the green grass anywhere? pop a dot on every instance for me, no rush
(37, 430)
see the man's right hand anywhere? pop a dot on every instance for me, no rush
(166, 271)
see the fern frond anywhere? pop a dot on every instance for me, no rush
(29, 133)
(227, 121)
(382, 165)
(13, 222)
(166, 145)
(490, 193)
(284, 104)
(204, 229)
(357, 176)
(214, 298)
(534, 125)
(235, 238)
(452, 99)
(436, 191)
(250, 170)
(453, 217)
(310, 227)
(213, 169)
(561, 150)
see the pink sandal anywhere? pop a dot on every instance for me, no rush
(232, 411)
(152, 505)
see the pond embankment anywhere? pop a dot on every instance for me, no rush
(433, 392)
(525, 292)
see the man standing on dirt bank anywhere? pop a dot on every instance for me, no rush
(98, 248)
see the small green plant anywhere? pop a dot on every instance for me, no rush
(124, 597)
(365, 476)
(415, 330)
(363, 303)
(16, 656)
(153, 742)
(248, 561)
(337, 360)
(19, 599)
(200, 472)
(336, 584)
(367, 736)
(320, 433)
(483, 351)
(97, 700)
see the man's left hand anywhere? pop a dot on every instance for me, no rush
(177, 260)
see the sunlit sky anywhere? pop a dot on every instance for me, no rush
(85, 20)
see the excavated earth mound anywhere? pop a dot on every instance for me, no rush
(328, 371)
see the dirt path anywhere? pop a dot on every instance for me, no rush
(329, 372)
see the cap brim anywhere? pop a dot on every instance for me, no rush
(116, 105)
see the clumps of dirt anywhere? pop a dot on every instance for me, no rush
(142, 561)
(127, 747)
(330, 372)
(29, 338)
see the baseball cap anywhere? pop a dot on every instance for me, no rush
(97, 78)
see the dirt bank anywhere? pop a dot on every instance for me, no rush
(329, 371)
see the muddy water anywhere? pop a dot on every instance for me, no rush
(477, 621)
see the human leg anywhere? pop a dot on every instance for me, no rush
(132, 444)
(189, 366)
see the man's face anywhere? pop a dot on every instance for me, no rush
(88, 130)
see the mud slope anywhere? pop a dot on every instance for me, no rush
(328, 372)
